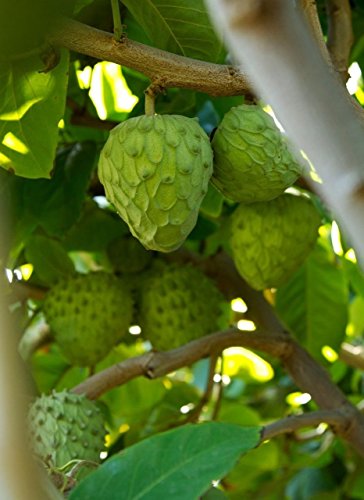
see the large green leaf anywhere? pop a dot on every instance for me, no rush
(56, 203)
(179, 464)
(179, 26)
(31, 104)
(50, 260)
(314, 303)
(95, 229)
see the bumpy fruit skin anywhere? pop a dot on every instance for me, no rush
(179, 304)
(155, 170)
(270, 240)
(88, 315)
(65, 426)
(127, 255)
(252, 161)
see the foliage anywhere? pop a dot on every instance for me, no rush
(193, 432)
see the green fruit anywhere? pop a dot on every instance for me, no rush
(270, 240)
(64, 427)
(179, 304)
(88, 315)
(252, 161)
(127, 255)
(155, 170)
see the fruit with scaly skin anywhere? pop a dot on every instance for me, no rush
(64, 427)
(127, 255)
(270, 240)
(180, 304)
(155, 170)
(88, 315)
(252, 160)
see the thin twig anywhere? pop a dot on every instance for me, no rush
(118, 28)
(295, 422)
(194, 414)
(164, 68)
(220, 391)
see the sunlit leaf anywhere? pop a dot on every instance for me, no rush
(179, 464)
(182, 27)
(31, 105)
(314, 303)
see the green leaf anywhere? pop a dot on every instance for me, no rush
(95, 229)
(314, 303)
(80, 4)
(182, 27)
(310, 482)
(213, 202)
(179, 464)
(31, 105)
(47, 368)
(214, 494)
(356, 317)
(355, 276)
(57, 203)
(50, 260)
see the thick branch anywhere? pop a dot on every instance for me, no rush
(295, 422)
(163, 68)
(309, 9)
(308, 375)
(307, 96)
(157, 364)
(352, 355)
(340, 35)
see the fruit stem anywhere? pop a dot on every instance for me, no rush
(149, 106)
(118, 27)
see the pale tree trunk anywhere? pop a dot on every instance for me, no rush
(20, 478)
(275, 46)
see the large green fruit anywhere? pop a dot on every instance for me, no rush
(155, 170)
(127, 255)
(64, 427)
(180, 304)
(252, 161)
(270, 240)
(88, 315)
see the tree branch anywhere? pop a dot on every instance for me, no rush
(309, 10)
(156, 364)
(306, 95)
(352, 355)
(295, 422)
(340, 35)
(308, 375)
(163, 68)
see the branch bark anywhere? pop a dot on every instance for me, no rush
(156, 364)
(163, 68)
(352, 355)
(309, 9)
(307, 96)
(291, 424)
(340, 35)
(308, 375)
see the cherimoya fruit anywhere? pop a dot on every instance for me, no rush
(64, 427)
(252, 160)
(155, 170)
(88, 315)
(271, 239)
